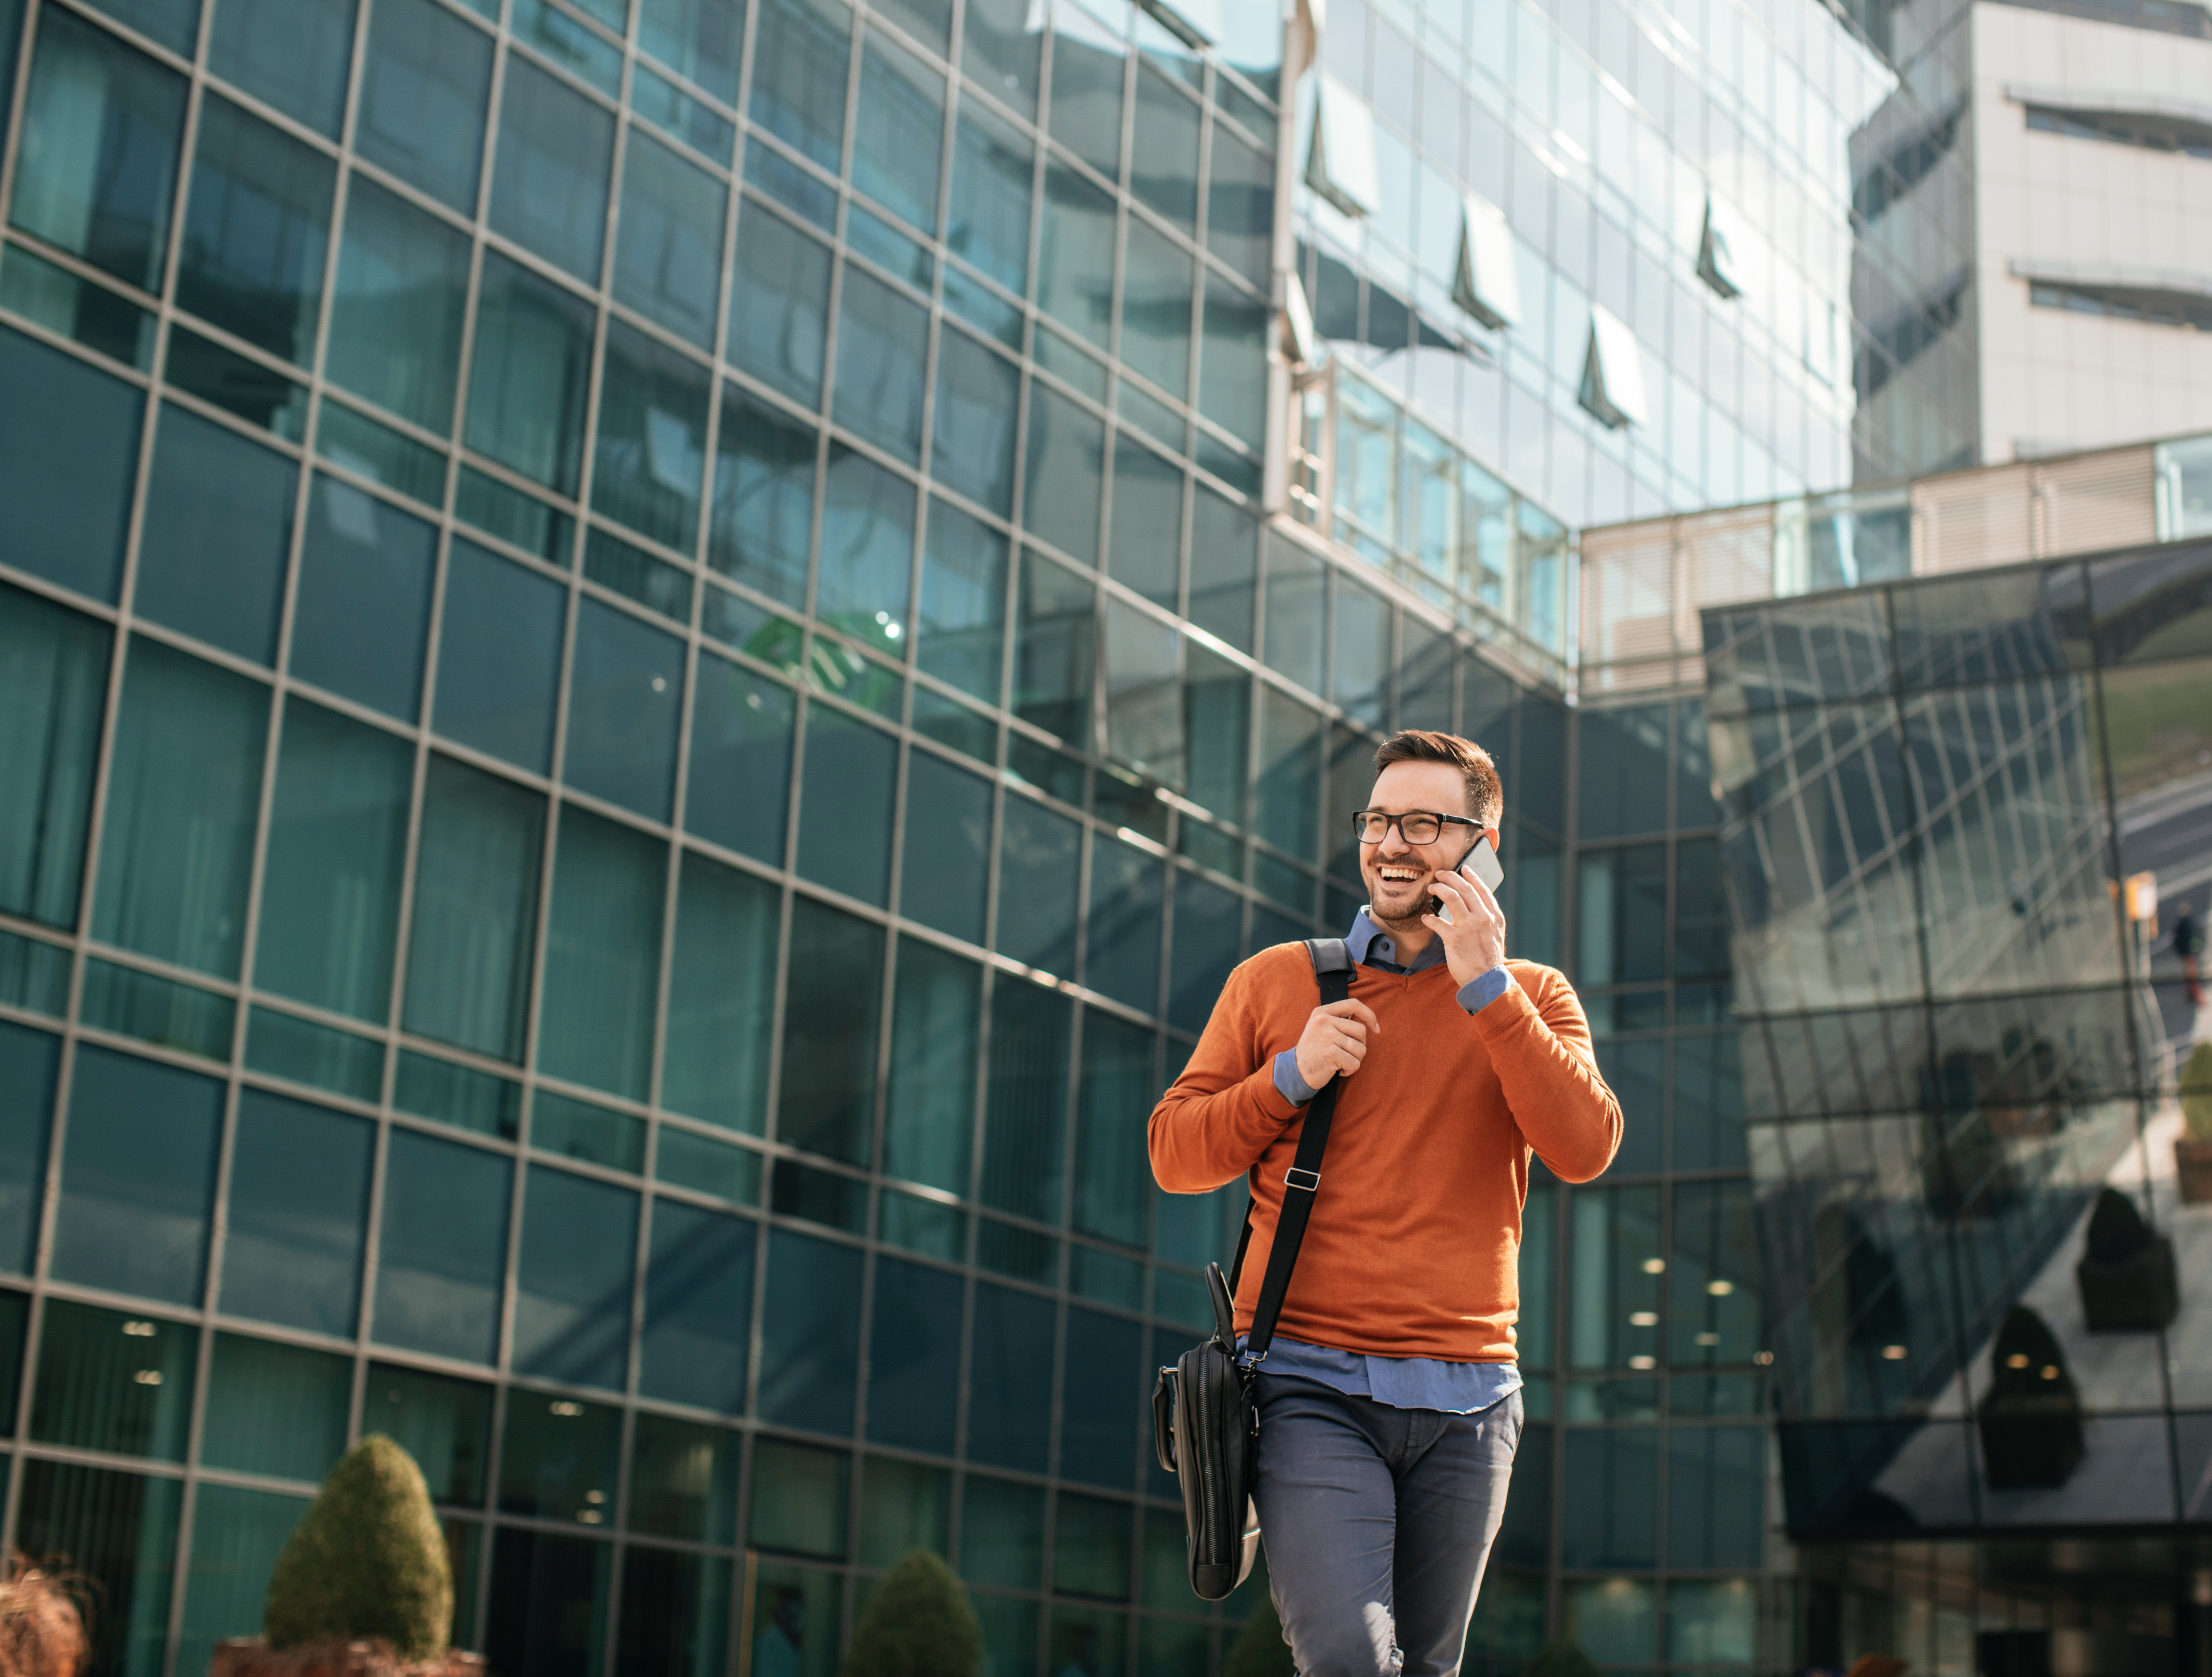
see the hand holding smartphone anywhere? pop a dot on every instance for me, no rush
(1481, 863)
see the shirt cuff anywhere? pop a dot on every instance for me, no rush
(1288, 1084)
(1474, 995)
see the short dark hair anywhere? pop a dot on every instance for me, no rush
(1485, 794)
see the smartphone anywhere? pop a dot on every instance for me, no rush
(1482, 864)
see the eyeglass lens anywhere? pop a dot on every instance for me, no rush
(1418, 828)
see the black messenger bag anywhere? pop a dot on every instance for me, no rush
(1206, 1425)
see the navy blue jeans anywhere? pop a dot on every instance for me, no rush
(1376, 1524)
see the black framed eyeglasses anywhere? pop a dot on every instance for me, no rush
(1414, 826)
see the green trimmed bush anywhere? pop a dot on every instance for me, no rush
(1260, 1650)
(2196, 1093)
(919, 1623)
(367, 1561)
(1561, 1658)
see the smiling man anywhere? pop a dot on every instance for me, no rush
(1389, 1402)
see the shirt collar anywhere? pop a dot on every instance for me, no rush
(1370, 945)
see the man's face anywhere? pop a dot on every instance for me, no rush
(1397, 874)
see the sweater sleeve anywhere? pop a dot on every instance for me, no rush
(1540, 1048)
(1224, 1110)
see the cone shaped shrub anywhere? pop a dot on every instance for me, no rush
(367, 1561)
(2196, 1093)
(919, 1623)
(1260, 1650)
(1561, 1658)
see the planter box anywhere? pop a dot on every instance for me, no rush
(2030, 1441)
(250, 1657)
(2192, 1163)
(2139, 1296)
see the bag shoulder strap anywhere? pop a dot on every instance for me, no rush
(1333, 968)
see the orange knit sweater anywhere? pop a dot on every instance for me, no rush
(1414, 1245)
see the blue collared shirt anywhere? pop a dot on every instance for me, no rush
(1402, 1383)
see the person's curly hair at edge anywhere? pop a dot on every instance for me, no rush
(43, 1609)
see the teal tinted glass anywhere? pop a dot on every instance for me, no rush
(698, 1318)
(258, 226)
(123, 1528)
(1077, 247)
(442, 1248)
(550, 1594)
(1233, 382)
(98, 164)
(764, 514)
(741, 746)
(929, 1119)
(668, 262)
(476, 910)
(800, 52)
(237, 1535)
(1122, 956)
(1112, 1181)
(68, 452)
(973, 448)
(188, 752)
(182, 1017)
(1009, 1401)
(1039, 854)
(722, 999)
(883, 342)
(603, 954)
(297, 1226)
(572, 1282)
(530, 374)
(683, 1480)
(900, 144)
(499, 656)
(549, 187)
(1002, 1534)
(423, 93)
(809, 1336)
(283, 1045)
(991, 189)
(1208, 928)
(650, 460)
(946, 864)
(845, 808)
(867, 551)
(275, 1409)
(93, 1388)
(294, 54)
(700, 39)
(780, 306)
(174, 23)
(53, 666)
(960, 634)
(830, 1012)
(218, 532)
(395, 313)
(914, 1383)
(460, 1096)
(587, 1131)
(137, 1177)
(1065, 474)
(30, 1069)
(1157, 282)
(559, 1458)
(627, 697)
(443, 1423)
(1025, 1131)
(337, 839)
(363, 610)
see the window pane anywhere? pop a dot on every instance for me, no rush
(571, 1283)
(364, 602)
(98, 164)
(1240, 206)
(476, 910)
(702, 39)
(603, 954)
(442, 1253)
(867, 551)
(499, 657)
(30, 1070)
(810, 1340)
(549, 189)
(183, 796)
(259, 224)
(337, 839)
(1123, 959)
(423, 94)
(929, 1117)
(914, 1361)
(973, 447)
(779, 305)
(627, 695)
(119, 1531)
(764, 518)
(900, 144)
(549, 1598)
(1290, 774)
(683, 1475)
(1156, 300)
(396, 314)
(698, 1312)
(1039, 854)
(668, 264)
(998, 46)
(831, 1002)
(883, 340)
(531, 370)
(799, 1502)
(845, 808)
(53, 666)
(275, 1409)
(1145, 551)
(1112, 1181)
(1232, 360)
(443, 1424)
(1057, 647)
(991, 188)
(1163, 148)
(174, 23)
(945, 872)
(1207, 928)
(1009, 1407)
(722, 999)
(1104, 1357)
(1075, 261)
(1025, 1147)
(69, 452)
(137, 1175)
(1065, 474)
(1087, 66)
(299, 1207)
(675, 1612)
(218, 532)
(652, 452)
(740, 775)
(1613, 1518)
(1622, 915)
(293, 54)
(1217, 725)
(961, 634)
(800, 52)
(237, 1535)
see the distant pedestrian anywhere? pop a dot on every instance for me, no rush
(2189, 945)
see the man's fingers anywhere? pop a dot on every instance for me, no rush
(1350, 1009)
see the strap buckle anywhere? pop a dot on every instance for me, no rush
(1290, 1180)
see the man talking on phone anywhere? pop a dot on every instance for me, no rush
(1389, 1401)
